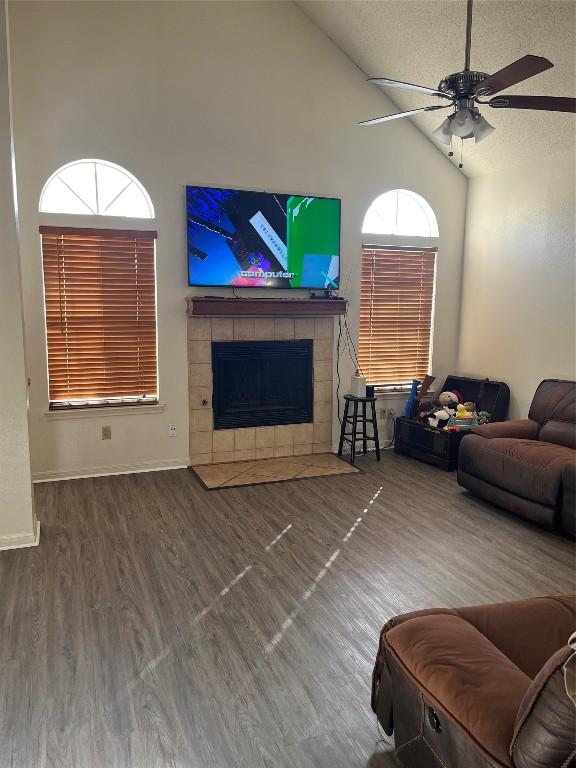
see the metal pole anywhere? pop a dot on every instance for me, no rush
(468, 35)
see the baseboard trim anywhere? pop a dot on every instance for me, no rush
(118, 469)
(22, 540)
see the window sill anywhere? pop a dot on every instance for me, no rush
(116, 410)
(397, 393)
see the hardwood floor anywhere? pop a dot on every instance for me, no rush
(160, 625)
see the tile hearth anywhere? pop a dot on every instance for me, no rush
(210, 446)
(271, 470)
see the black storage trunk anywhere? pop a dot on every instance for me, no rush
(436, 446)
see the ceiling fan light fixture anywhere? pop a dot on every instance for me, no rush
(462, 90)
(444, 132)
(481, 128)
(462, 123)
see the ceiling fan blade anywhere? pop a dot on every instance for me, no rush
(408, 86)
(403, 114)
(520, 70)
(547, 103)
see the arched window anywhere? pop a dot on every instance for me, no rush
(400, 212)
(99, 290)
(397, 290)
(97, 188)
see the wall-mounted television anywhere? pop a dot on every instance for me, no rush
(248, 239)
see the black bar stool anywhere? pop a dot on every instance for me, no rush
(353, 436)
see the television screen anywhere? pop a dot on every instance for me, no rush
(259, 239)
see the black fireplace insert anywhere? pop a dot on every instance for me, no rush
(262, 383)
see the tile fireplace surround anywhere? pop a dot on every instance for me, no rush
(210, 446)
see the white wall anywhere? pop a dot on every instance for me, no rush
(234, 94)
(17, 522)
(518, 299)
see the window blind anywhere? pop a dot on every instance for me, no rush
(397, 293)
(100, 298)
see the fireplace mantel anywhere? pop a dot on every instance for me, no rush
(213, 306)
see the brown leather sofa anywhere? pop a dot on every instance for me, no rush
(528, 466)
(480, 687)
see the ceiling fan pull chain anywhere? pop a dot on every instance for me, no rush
(451, 153)
(461, 164)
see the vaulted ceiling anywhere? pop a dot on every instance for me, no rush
(420, 41)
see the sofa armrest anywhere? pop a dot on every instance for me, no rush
(473, 683)
(521, 429)
(544, 733)
(567, 513)
(382, 694)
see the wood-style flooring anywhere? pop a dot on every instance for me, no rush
(160, 625)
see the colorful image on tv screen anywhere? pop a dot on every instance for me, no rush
(259, 239)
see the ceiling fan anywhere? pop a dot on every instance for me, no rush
(463, 90)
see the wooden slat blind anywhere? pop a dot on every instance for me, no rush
(397, 292)
(100, 296)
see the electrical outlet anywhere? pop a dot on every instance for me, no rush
(391, 413)
(172, 430)
(106, 433)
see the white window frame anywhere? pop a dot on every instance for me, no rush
(405, 239)
(386, 207)
(96, 209)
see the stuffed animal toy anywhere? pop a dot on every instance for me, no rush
(440, 418)
(437, 412)
(462, 413)
(483, 417)
(445, 400)
(427, 408)
(448, 399)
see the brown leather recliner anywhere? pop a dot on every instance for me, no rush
(528, 466)
(480, 687)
